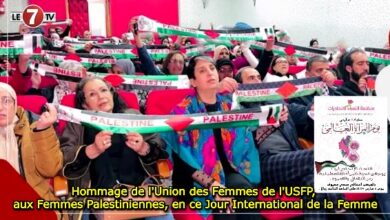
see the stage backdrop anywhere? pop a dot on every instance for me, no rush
(166, 11)
(78, 12)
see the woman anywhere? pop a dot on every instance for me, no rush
(221, 52)
(279, 70)
(32, 148)
(63, 88)
(101, 157)
(211, 157)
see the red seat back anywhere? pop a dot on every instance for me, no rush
(338, 82)
(32, 103)
(5, 79)
(161, 102)
(295, 69)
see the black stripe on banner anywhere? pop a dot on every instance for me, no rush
(13, 37)
(64, 78)
(34, 43)
(301, 48)
(243, 31)
(377, 50)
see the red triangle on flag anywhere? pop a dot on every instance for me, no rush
(179, 123)
(183, 50)
(212, 34)
(135, 51)
(286, 89)
(370, 83)
(72, 56)
(38, 50)
(289, 50)
(115, 79)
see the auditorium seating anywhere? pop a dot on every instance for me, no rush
(161, 102)
(32, 103)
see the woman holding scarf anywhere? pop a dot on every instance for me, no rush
(207, 158)
(29, 143)
(101, 158)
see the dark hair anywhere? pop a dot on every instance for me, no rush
(192, 63)
(314, 59)
(312, 41)
(119, 104)
(238, 76)
(168, 60)
(346, 60)
(273, 63)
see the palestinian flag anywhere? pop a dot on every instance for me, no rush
(124, 123)
(12, 46)
(277, 90)
(300, 51)
(379, 56)
(88, 60)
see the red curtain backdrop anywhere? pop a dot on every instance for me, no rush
(78, 12)
(166, 11)
(57, 6)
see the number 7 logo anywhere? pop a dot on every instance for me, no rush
(33, 16)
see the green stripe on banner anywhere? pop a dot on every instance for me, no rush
(3, 73)
(157, 129)
(379, 60)
(124, 56)
(11, 52)
(169, 31)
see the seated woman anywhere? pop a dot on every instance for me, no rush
(223, 157)
(30, 146)
(101, 157)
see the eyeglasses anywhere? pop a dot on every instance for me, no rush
(281, 61)
(225, 70)
(179, 62)
(224, 53)
(7, 101)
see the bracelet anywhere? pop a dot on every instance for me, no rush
(202, 178)
(147, 150)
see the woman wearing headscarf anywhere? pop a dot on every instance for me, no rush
(30, 146)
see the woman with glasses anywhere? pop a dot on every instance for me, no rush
(29, 143)
(101, 158)
(207, 158)
(279, 70)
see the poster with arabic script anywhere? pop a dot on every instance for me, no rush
(350, 153)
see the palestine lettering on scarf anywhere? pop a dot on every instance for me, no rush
(94, 60)
(145, 82)
(312, 85)
(121, 122)
(109, 51)
(380, 55)
(66, 72)
(259, 92)
(228, 118)
(7, 44)
(177, 28)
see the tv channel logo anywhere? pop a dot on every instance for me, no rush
(33, 16)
